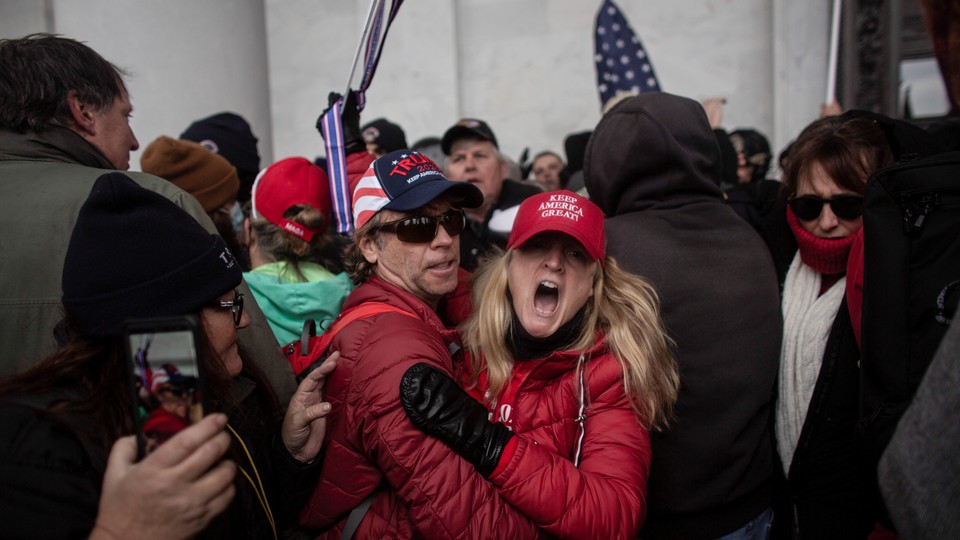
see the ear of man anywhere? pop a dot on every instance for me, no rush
(369, 248)
(83, 115)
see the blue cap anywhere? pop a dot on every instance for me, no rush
(405, 180)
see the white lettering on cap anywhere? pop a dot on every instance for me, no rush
(227, 258)
(561, 206)
(294, 229)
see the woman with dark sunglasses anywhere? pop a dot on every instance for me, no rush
(827, 488)
(68, 465)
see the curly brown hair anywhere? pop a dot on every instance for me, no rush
(355, 263)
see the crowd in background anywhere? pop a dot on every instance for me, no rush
(648, 337)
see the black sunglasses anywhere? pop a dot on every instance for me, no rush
(808, 207)
(235, 306)
(423, 229)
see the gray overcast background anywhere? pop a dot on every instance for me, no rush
(524, 66)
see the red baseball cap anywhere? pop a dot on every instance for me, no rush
(561, 211)
(290, 182)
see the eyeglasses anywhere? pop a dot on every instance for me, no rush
(808, 207)
(235, 306)
(423, 229)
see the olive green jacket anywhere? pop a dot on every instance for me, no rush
(44, 180)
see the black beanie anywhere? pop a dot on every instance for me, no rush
(134, 253)
(229, 135)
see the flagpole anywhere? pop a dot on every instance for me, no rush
(834, 50)
(374, 6)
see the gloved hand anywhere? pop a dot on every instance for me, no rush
(350, 118)
(436, 404)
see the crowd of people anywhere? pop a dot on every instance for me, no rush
(647, 338)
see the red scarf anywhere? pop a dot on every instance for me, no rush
(825, 255)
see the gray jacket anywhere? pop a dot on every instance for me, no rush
(44, 180)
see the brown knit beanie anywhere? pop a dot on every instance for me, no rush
(191, 167)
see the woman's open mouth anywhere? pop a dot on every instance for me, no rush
(546, 298)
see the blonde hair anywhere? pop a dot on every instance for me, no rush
(624, 307)
(276, 244)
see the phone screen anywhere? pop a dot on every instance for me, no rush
(166, 379)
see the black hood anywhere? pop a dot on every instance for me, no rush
(654, 150)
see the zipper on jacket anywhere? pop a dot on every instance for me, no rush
(917, 210)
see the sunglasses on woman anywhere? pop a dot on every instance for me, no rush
(423, 229)
(808, 207)
(235, 306)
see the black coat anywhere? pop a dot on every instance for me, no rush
(478, 239)
(50, 473)
(830, 492)
(653, 167)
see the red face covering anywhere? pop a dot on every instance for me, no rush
(825, 255)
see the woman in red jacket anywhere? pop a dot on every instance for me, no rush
(571, 362)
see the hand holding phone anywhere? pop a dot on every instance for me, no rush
(147, 499)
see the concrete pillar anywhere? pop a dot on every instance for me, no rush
(801, 44)
(185, 60)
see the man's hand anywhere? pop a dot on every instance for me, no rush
(832, 108)
(713, 106)
(350, 118)
(174, 492)
(305, 425)
(436, 404)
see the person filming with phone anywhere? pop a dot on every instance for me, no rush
(69, 467)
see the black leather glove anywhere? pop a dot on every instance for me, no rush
(350, 118)
(436, 404)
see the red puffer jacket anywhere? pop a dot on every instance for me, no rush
(422, 488)
(606, 496)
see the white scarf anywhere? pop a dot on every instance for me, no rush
(807, 320)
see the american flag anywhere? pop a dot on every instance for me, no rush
(622, 63)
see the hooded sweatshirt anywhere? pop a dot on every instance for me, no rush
(653, 166)
(288, 301)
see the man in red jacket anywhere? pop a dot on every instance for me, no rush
(381, 476)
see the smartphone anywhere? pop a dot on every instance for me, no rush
(166, 379)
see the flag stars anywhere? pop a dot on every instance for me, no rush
(403, 156)
(394, 162)
(621, 62)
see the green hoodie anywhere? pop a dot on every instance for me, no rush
(288, 302)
